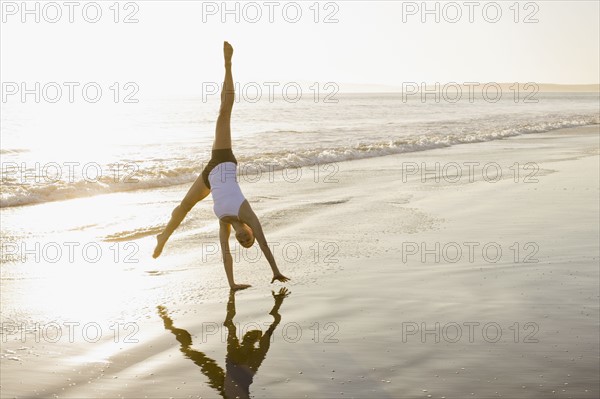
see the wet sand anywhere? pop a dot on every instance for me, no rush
(475, 285)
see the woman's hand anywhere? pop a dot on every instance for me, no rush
(279, 277)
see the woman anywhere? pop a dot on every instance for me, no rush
(219, 177)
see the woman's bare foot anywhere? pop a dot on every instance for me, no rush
(237, 287)
(228, 52)
(160, 244)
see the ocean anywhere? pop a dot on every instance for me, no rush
(53, 152)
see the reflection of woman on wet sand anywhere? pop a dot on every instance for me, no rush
(242, 360)
(219, 179)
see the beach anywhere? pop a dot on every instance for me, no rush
(462, 271)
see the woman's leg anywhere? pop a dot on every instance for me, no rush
(223, 130)
(199, 191)
(195, 194)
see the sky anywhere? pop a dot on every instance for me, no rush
(175, 46)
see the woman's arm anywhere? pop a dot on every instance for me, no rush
(250, 218)
(224, 232)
